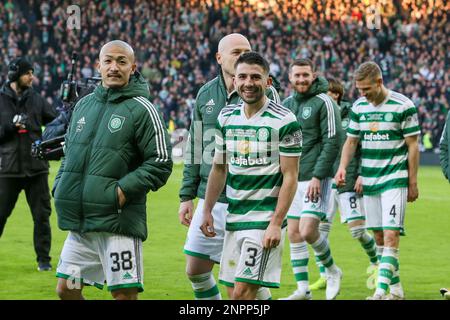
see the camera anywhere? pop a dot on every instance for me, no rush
(20, 120)
(71, 91)
(51, 149)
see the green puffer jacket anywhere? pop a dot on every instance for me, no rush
(211, 98)
(115, 138)
(319, 118)
(353, 169)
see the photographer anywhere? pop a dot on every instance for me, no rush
(22, 114)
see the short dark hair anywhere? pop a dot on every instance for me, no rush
(335, 86)
(253, 58)
(302, 62)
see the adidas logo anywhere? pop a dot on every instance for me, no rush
(248, 272)
(211, 103)
(80, 125)
(392, 221)
(363, 118)
(354, 212)
(127, 276)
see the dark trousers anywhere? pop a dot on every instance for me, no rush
(38, 198)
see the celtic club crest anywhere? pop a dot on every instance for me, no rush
(306, 112)
(115, 123)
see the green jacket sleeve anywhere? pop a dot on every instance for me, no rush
(153, 144)
(289, 103)
(330, 120)
(58, 176)
(191, 171)
(443, 147)
(273, 95)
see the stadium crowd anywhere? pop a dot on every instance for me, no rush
(176, 41)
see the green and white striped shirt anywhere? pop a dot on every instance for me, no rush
(253, 148)
(382, 131)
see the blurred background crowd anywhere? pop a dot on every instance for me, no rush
(175, 43)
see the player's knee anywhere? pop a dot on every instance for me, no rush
(125, 294)
(61, 291)
(66, 293)
(379, 237)
(357, 232)
(196, 266)
(294, 235)
(309, 234)
(391, 238)
(244, 292)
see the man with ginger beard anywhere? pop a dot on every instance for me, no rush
(319, 117)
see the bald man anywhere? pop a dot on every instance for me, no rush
(202, 252)
(116, 150)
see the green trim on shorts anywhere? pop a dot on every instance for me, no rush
(127, 285)
(402, 231)
(355, 218)
(65, 276)
(249, 225)
(321, 215)
(261, 283)
(293, 217)
(199, 255)
(227, 284)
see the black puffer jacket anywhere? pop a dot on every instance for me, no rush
(15, 147)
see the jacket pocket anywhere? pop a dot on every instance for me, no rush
(99, 196)
(39, 165)
(8, 162)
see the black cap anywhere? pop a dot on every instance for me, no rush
(18, 67)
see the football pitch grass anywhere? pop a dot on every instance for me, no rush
(424, 253)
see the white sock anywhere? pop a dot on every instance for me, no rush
(263, 294)
(205, 287)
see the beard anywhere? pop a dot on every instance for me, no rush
(303, 86)
(22, 86)
(256, 94)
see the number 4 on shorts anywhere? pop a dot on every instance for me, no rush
(392, 212)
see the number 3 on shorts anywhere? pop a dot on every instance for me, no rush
(251, 261)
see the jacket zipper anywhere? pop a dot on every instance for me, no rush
(86, 167)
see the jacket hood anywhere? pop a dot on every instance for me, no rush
(345, 105)
(275, 83)
(8, 91)
(137, 86)
(320, 85)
